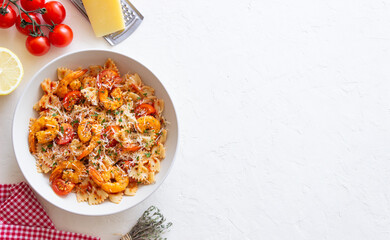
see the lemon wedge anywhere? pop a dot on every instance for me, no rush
(11, 71)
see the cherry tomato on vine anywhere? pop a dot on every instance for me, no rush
(38, 46)
(30, 5)
(62, 187)
(28, 28)
(61, 36)
(8, 19)
(55, 12)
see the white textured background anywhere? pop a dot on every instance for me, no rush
(284, 112)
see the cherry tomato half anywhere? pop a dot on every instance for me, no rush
(30, 5)
(37, 46)
(55, 12)
(71, 99)
(61, 36)
(107, 79)
(110, 132)
(28, 28)
(66, 134)
(144, 109)
(9, 19)
(62, 187)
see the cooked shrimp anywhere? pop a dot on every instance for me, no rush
(69, 171)
(44, 129)
(96, 134)
(75, 85)
(112, 103)
(84, 130)
(146, 123)
(62, 89)
(113, 180)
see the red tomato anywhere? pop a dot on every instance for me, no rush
(61, 36)
(109, 133)
(71, 99)
(37, 46)
(107, 79)
(144, 109)
(62, 187)
(65, 135)
(28, 28)
(55, 13)
(30, 5)
(7, 20)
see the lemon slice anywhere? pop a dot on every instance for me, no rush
(11, 71)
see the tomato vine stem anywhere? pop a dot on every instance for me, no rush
(37, 30)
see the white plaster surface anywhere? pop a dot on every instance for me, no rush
(284, 114)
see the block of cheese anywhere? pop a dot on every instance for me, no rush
(106, 16)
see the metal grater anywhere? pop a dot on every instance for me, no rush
(133, 19)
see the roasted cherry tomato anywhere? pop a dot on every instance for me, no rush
(66, 134)
(61, 36)
(8, 19)
(28, 28)
(71, 99)
(109, 133)
(107, 79)
(38, 46)
(62, 187)
(131, 147)
(30, 5)
(144, 109)
(55, 12)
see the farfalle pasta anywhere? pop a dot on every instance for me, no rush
(99, 135)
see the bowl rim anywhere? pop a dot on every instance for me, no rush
(26, 88)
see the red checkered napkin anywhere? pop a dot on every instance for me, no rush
(22, 216)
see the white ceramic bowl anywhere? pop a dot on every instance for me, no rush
(24, 111)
